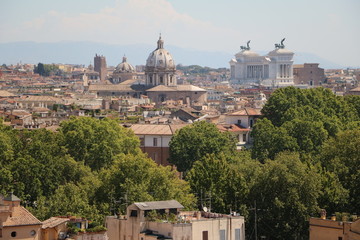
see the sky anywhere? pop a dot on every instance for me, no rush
(328, 28)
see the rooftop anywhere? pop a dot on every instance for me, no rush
(158, 205)
(53, 222)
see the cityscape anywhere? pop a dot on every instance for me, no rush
(144, 140)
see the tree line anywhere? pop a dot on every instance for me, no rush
(89, 168)
(305, 157)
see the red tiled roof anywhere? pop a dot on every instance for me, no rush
(53, 222)
(231, 128)
(21, 216)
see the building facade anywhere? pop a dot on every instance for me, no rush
(187, 225)
(155, 139)
(274, 69)
(124, 71)
(327, 229)
(309, 73)
(16, 222)
(100, 67)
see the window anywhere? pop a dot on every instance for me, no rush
(239, 122)
(161, 79)
(142, 141)
(0, 232)
(205, 235)
(244, 137)
(133, 213)
(340, 238)
(13, 234)
(32, 233)
(237, 233)
(251, 123)
(155, 142)
(222, 234)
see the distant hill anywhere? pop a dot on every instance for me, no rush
(84, 52)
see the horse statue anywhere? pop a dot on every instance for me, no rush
(281, 45)
(247, 47)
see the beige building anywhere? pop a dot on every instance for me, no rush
(327, 229)
(54, 228)
(140, 224)
(16, 222)
(155, 139)
(308, 73)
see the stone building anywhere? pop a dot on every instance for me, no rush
(123, 71)
(187, 225)
(100, 67)
(160, 81)
(16, 222)
(274, 69)
(309, 73)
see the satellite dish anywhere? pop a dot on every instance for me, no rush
(205, 209)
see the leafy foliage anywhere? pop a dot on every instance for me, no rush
(192, 142)
(82, 169)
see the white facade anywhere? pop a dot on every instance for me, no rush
(274, 69)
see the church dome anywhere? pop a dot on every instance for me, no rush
(160, 58)
(124, 67)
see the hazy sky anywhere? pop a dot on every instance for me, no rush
(327, 28)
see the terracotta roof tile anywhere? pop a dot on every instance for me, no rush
(53, 222)
(21, 216)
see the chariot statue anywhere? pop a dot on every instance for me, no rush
(247, 47)
(281, 45)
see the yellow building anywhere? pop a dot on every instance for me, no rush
(16, 222)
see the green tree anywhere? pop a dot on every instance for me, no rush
(217, 183)
(286, 191)
(341, 156)
(270, 140)
(192, 142)
(134, 178)
(97, 142)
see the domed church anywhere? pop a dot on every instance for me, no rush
(160, 81)
(123, 71)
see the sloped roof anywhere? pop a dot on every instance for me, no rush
(110, 87)
(156, 129)
(188, 87)
(53, 222)
(231, 128)
(246, 112)
(162, 88)
(20, 217)
(151, 129)
(355, 89)
(4, 93)
(11, 197)
(158, 205)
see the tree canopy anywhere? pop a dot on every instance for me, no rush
(193, 142)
